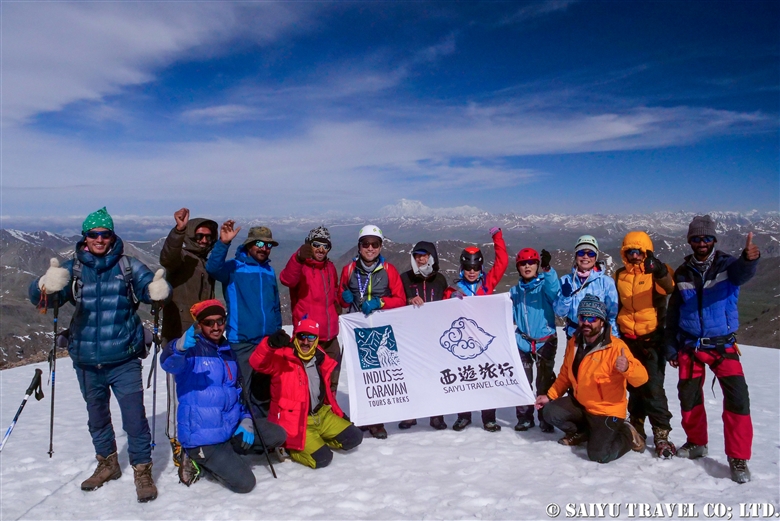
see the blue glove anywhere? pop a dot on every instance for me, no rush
(348, 297)
(188, 340)
(369, 306)
(566, 289)
(247, 433)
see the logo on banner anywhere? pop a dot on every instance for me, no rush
(465, 339)
(383, 375)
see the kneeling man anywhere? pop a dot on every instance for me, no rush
(302, 399)
(214, 426)
(595, 370)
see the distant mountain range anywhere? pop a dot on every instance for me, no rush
(25, 334)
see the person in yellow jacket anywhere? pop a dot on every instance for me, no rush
(644, 285)
(595, 371)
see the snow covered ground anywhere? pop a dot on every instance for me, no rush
(415, 474)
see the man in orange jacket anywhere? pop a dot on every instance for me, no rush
(595, 371)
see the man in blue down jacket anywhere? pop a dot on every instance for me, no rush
(213, 424)
(532, 307)
(250, 290)
(106, 342)
(700, 326)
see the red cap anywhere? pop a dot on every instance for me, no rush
(527, 254)
(307, 325)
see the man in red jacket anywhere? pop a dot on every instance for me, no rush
(301, 398)
(314, 285)
(369, 283)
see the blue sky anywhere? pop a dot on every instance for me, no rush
(266, 108)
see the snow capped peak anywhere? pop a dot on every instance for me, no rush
(413, 208)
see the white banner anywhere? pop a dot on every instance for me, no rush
(442, 358)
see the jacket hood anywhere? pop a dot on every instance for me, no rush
(102, 262)
(431, 249)
(189, 236)
(635, 241)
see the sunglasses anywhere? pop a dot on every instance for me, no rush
(264, 244)
(589, 253)
(702, 238)
(320, 245)
(200, 236)
(370, 244)
(306, 336)
(94, 235)
(211, 322)
(633, 251)
(589, 320)
(472, 268)
(527, 262)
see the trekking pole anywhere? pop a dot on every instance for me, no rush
(35, 387)
(246, 394)
(153, 371)
(265, 449)
(53, 373)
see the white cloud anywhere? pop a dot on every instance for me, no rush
(220, 114)
(55, 53)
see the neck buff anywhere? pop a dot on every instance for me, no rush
(368, 268)
(424, 271)
(305, 355)
(703, 266)
(583, 275)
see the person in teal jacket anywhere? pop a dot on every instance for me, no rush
(250, 290)
(532, 307)
(586, 278)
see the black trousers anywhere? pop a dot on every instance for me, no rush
(649, 400)
(545, 375)
(608, 437)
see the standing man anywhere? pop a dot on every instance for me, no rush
(369, 283)
(644, 284)
(474, 281)
(701, 323)
(250, 290)
(184, 256)
(314, 286)
(586, 278)
(423, 283)
(595, 371)
(537, 339)
(106, 342)
(214, 425)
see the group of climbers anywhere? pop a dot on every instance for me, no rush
(271, 390)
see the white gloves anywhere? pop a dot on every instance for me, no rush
(158, 288)
(55, 278)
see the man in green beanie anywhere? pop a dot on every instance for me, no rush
(106, 342)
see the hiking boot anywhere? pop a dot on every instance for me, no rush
(691, 451)
(378, 431)
(637, 441)
(144, 483)
(524, 424)
(491, 427)
(281, 454)
(189, 472)
(574, 439)
(546, 427)
(639, 425)
(437, 422)
(107, 469)
(460, 424)
(664, 448)
(739, 470)
(407, 424)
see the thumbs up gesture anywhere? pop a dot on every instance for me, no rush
(621, 362)
(158, 288)
(750, 252)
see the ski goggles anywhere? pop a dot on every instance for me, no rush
(370, 244)
(211, 322)
(589, 253)
(472, 267)
(263, 244)
(200, 236)
(92, 234)
(588, 320)
(707, 239)
(320, 245)
(634, 251)
(527, 262)
(306, 336)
